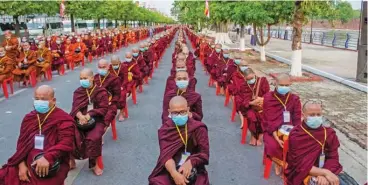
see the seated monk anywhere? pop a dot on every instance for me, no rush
(112, 84)
(6, 65)
(54, 136)
(194, 99)
(313, 156)
(184, 147)
(224, 69)
(118, 69)
(170, 82)
(43, 59)
(144, 66)
(10, 44)
(132, 74)
(78, 51)
(280, 107)
(139, 59)
(90, 102)
(189, 58)
(249, 99)
(25, 64)
(238, 74)
(69, 52)
(213, 60)
(149, 57)
(190, 66)
(58, 50)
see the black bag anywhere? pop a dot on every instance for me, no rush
(54, 168)
(40, 60)
(78, 50)
(90, 125)
(24, 66)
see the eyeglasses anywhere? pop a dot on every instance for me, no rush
(313, 101)
(176, 113)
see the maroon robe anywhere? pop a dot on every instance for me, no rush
(148, 57)
(304, 153)
(224, 69)
(212, 62)
(60, 50)
(141, 64)
(58, 130)
(273, 119)
(121, 74)
(171, 84)
(137, 76)
(89, 143)
(236, 78)
(194, 102)
(171, 147)
(243, 95)
(190, 61)
(113, 86)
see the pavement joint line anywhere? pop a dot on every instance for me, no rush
(15, 93)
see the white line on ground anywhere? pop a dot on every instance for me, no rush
(15, 93)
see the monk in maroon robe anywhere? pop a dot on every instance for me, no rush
(249, 93)
(139, 60)
(194, 99)
(148, 57)
(112, 84)
(190, 66)
(118, 69)
(170, 82)
(89, 101)
(133, 73)
(213, 60)
(280, 107)
(224, 70)
(307, 143)
(58, 133)
(57, 52)
(144, 64)
(237, 76)
(171, 168)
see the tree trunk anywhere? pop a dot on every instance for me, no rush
(125, 23)
(98, 23)
(17, 26)
(296, 58)
(242, 39)
(72, 22)
(116, 23)
(311, 31)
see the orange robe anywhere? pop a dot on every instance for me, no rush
(13, 44)
(21, 74)
(45, 53)
(68, 53)
(78, 57)
(6, 68)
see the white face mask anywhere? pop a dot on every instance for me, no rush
(58, 42)
(2, 54)
(78, 40)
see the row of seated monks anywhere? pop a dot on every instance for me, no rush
(183, 137)
(274, 117)
(19, 59)
(50, 139)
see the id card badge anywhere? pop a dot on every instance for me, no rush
(39, 141)
(90, 106)
(184, 157)
(286, 115)
(322, 159)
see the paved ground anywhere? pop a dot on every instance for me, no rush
(339, 62)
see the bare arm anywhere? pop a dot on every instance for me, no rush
(170, 167)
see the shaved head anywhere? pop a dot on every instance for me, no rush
(225, 51)
(178, 103)
(135, 50)
(312, 108)
(180, 64)
(128, 54)
(283, 79)
(86, 72)
(45, 90)
(115, 60)
(181, 56)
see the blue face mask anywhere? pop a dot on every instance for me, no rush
(226, 55)
(218, 50)
(128, 59)
(146, 48)
(251, 81)
(237, 61)
(41, 106)
(181, 69)
(181, 84)
(115, 67)
(283, 89)
(243, 68)
(180, 120)
(314, 121)
(141, 49)
(85, 83)
(102, 72)
(135, 54)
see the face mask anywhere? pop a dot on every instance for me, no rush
(180, 120)
(218, 50)
(128, 59)
(78, 40)
(2, 54)
(237, 61)
(314, 121)
(102, 72)
(283, 89)
(226, 55)
(41, 106)
(181, 69)
(58, 42)
(36, 41)
(251, 81)
(243, 68)
(181, 84)
(115, 67)
(85, 83)
(39, 47)
(146, 48)
(135, 54)
(212, 46)
(141, 49)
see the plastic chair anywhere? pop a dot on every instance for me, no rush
(227, 97)
(33, 78)
(100, 162)
(140, 88)
(146, 80)
(5, 86)
(244, 130)
(126, 112)
(134, 95)
(218, 88)
(210, 82)
(48, 74)
(61, 70)
(90, 57)
(113, 129)
(233, 111)
(268, 162)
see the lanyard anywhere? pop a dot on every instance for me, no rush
(185, 142)
(90, 93)
(117, 73)
(282, 103)
(225, 62)
(324, 142)
(179, 94)
(101, 82)
(42, 52)
(41, 123)
(252, 89)
(26, 54)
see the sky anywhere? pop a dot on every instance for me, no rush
(165, 5)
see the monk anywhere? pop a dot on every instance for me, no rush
(112, 84)
(89, 101)
(44, 58)
(6, 65)
(280, 107)
(58, 51)
(148, 57)
(69, 51)
(313, 150)
(190, 60)
(10, 44)
(57, 131)
(184, 145)
(139, 59)
(190, 65)
(144, 66)
(249, 99)
(170, 82)
(25, 64)
(132, 75)
(224, 69)
(118, 69)
(213, 60)
(87, 40)
(79, 48)
(194, 99)
(236, 75)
